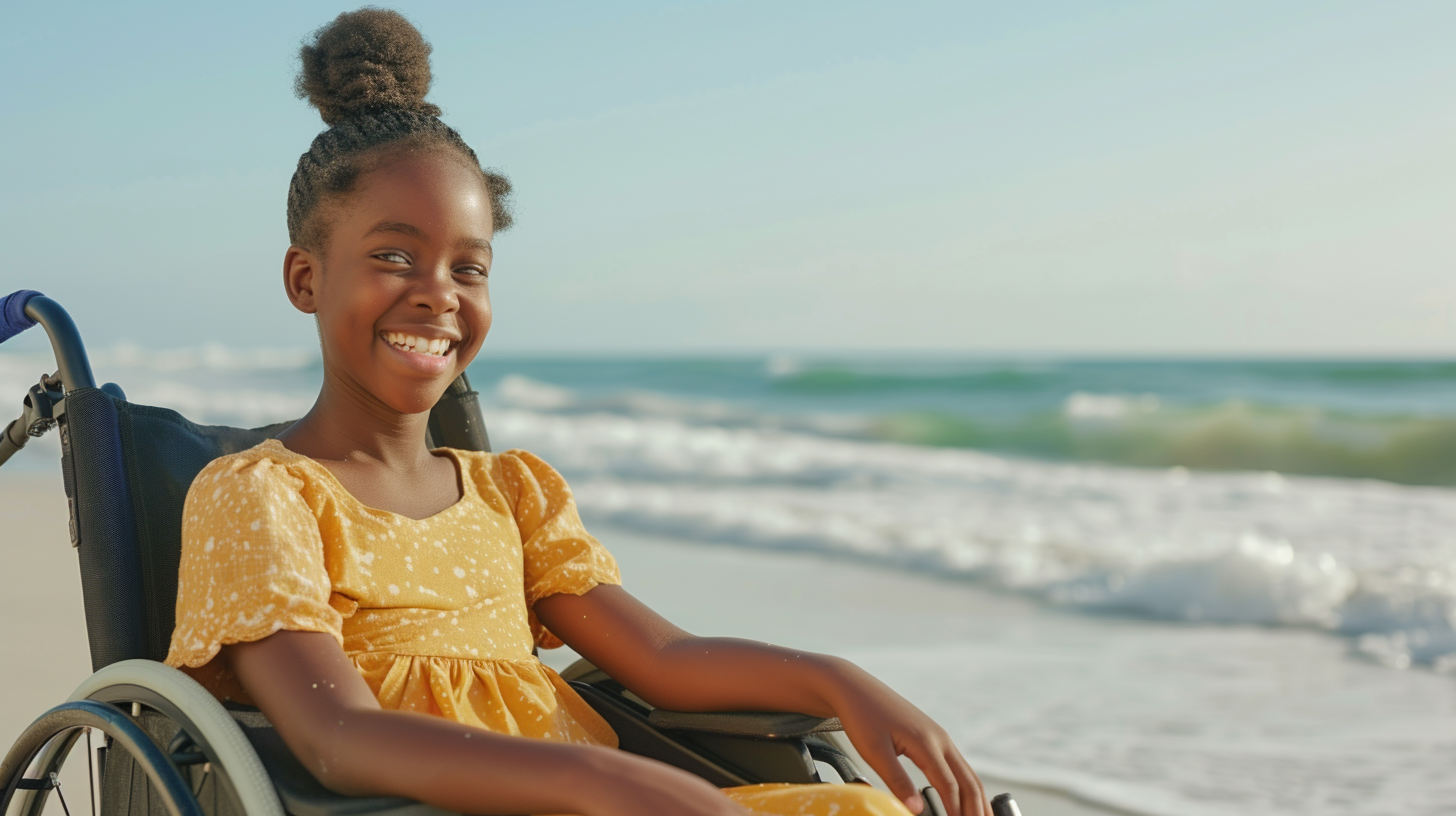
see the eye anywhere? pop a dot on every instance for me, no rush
(473, 271)
(393, 257)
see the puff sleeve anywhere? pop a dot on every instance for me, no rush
(559, 555)
(252, 561)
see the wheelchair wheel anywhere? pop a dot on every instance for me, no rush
(35, 765)
(169, 748)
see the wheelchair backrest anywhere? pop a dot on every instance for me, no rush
(127, 468)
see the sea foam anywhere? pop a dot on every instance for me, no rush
(1366, 559)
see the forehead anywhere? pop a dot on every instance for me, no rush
(439, 193)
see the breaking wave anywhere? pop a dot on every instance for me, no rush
(1365, 559)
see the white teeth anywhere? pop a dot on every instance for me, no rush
(419, 345)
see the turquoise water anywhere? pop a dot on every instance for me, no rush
(1390, 420)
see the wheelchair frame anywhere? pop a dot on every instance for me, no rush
(184, 753)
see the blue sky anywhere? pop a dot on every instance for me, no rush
(1047, 178)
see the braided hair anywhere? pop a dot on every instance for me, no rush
(367, 72)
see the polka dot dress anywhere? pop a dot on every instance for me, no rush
(434, 613)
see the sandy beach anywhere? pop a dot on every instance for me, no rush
(802, 600)
(44, 631)
(782, 598)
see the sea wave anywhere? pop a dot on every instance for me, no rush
(517, 391)
(973, 376)
(788, 375)
(1372, 561)
(121, 360)
(1130, 429)
(1144, 431)
(207, 384)
(209, 357)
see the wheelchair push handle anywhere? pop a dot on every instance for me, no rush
(27, 307)
(13, 319)
(18, 312)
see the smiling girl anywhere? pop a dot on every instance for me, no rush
(380, 601)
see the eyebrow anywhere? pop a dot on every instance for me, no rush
(477, 243)
(415, 232)
(397, 226)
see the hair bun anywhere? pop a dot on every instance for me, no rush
(365, 61)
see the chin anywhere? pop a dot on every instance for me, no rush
(418, 401)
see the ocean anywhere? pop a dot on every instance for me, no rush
(1256, 497)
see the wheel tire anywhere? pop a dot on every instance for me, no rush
(197, 712)
(50, 737)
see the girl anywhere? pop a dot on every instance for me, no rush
(379, 601)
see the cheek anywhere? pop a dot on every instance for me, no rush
(349, 315)
(347, 321)
(483, 314)
(480, 320)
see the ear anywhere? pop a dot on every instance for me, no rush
(301, 269)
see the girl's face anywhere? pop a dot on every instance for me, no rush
(400, 289)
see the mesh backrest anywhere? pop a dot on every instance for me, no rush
(127, 468)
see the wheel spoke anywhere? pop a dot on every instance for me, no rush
(206, 769)
(56, 784)
(90, 771)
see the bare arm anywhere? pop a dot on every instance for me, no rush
(673, 669)
(331, 721)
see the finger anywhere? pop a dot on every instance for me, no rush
(973, 790)
(938, 772)
(882, 757)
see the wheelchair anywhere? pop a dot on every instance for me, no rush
(167, 745)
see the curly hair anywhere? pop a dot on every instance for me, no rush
(367, 72)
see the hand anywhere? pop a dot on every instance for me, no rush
(632, 785)
(884, 726)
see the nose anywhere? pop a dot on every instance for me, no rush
(435, 290)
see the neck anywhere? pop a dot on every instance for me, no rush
(347, 423)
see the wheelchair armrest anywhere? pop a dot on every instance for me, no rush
(765, 724)
(757, 724)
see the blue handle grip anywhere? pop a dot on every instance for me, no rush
(13, 319)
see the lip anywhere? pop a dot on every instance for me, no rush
(429, 364)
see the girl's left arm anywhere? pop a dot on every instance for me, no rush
(673, 669)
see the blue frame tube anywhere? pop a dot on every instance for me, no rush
(71, 360)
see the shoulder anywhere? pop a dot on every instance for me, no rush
(510, 470)
(266, 467)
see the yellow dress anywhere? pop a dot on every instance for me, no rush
(436, 613)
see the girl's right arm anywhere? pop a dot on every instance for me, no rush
(329, 718)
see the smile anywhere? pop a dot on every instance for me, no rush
(439, 347)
